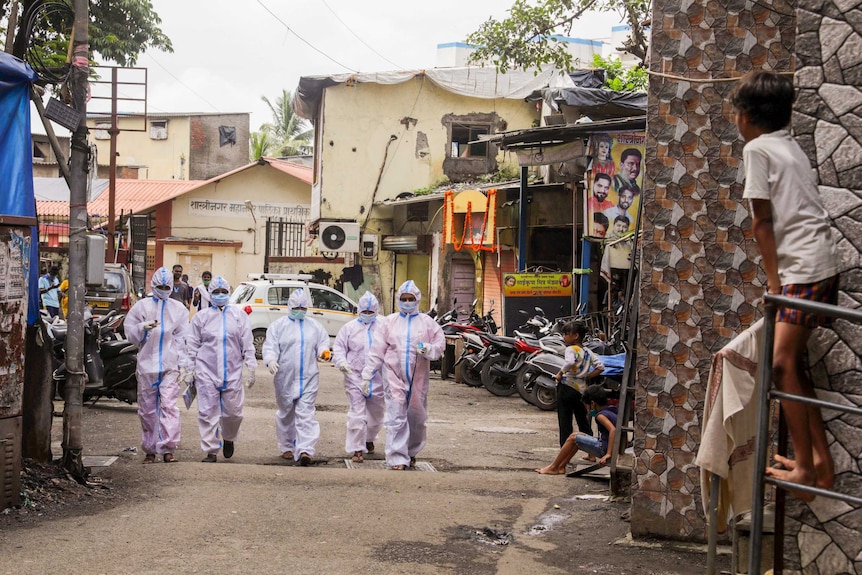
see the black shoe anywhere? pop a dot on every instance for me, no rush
(210, 458)
(305, 460)
(412, 462)
(369, 446)
(227, 449)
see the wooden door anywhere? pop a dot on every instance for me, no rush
(462, 286)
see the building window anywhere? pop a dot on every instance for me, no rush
(159, 130)
(465, 142)
(101, 132)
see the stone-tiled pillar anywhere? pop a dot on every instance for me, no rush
(825, 536)
(700, 282)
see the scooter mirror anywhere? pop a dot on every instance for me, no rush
(475, 301)
(540, 311)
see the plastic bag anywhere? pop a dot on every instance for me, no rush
(189, 395)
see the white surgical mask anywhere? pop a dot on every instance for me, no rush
(297, 313)
(162, 293)
(220, 299)
(367, 317)
(408, 307)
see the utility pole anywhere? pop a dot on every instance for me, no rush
(74, 390)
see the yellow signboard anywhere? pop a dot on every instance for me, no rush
(537, 285)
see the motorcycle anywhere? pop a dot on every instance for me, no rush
(109, 363)
(535, 381)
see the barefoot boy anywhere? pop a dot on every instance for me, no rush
(800, 258)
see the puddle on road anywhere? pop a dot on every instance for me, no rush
(546, 523)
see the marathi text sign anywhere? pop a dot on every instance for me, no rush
(236, 209)
(537, 285)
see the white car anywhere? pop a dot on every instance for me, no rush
(264, 299)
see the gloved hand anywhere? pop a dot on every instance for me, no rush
(187, 376)
(152, 324)
(344, 368)
(421, 349)
(325, 355)
(366, 387)
(273, 367)
(248, 380)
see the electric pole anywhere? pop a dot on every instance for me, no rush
(79, 162)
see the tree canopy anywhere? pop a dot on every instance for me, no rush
(287, 134)
(119, 31)
(526, 38)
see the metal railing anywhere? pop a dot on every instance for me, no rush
(771, 305)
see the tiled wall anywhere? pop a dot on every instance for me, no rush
(700, 280)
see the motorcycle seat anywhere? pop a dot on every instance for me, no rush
(114, 348)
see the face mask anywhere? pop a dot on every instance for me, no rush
(367, 318)
(297, 314)
(594, 412)
(206, 283)
(162, 293)
(220, 299)
(408, 307)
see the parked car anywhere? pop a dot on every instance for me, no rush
(116, 293)
(264, 299)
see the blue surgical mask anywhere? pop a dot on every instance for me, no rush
(367, 318)
(297, 314)
(162, 293)
(408, 307)
(594, 412)
(220, 299)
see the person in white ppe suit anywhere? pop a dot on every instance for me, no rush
(366, 406)
(406, 342)
(218, 345)
(159, 326)
(291, 350)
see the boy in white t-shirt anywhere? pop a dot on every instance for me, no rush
(800, 258)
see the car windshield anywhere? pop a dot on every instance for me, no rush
(242, 293)
(114, 282)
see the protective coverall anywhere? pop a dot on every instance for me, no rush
(219, 344)
(161, 346)
(406, 375)
(351, 347)
(295, 344)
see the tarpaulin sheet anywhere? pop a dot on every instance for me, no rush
(597, 103)
(471, 81)
(16, 159)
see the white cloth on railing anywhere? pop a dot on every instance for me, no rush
(729, 424)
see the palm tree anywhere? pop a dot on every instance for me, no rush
(291, 134)
(260, 145)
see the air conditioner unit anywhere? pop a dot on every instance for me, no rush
(338, 237)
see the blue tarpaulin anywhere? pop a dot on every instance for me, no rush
(16, 160)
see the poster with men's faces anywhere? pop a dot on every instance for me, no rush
(614, 179)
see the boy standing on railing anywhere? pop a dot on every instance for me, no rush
(800, 258)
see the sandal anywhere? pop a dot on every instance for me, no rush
(398, 467)
(305, 460)
(150, 458)
(369, 447)
(412, 462)
(357, 457)
(169, 458)
(287, 455)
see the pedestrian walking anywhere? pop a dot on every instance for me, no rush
(218, 346)
(366, 405)
(49, 288)
(291, 350)
(159, 325)
(406, 342)
(201, 294)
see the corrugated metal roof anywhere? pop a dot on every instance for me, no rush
(298, 171)
(132, 196)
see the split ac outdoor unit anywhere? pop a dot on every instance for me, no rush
(338, 237)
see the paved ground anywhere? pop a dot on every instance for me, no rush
(484, 511)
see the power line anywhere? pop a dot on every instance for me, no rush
(306, 42)
(189, 88)
(343, 23)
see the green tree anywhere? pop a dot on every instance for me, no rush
(119, 31)
(525, 38)
(621, 79)
(260, 144)
(291, 134)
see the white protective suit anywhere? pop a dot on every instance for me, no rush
(158, 364)
(365, 414)
(296, 344)
(218, 345)
(406, 376)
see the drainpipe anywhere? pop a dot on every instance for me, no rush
(522, 222)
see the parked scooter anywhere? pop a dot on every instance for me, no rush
(535, 381)
(109, 364)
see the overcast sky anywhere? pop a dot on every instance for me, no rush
(227, 54)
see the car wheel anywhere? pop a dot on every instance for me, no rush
(258, 337)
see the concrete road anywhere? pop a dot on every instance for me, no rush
(483, 511)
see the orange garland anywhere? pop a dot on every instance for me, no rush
(449, 216)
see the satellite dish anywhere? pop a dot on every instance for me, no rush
(333, 237)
